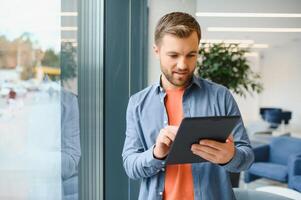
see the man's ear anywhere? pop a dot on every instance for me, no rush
(156, 50)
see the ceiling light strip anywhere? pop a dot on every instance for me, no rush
(228, 41)
(231, 14)
(246, 29)
(68, 28)
(68, 40)
(69, 14)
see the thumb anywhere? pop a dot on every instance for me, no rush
(230, 139)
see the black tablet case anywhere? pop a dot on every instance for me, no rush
(193, 129)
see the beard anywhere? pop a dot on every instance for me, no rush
(178, 80)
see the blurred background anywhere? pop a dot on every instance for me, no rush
(68, 68)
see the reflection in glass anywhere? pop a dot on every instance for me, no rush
(69, 106)
(70, 144)
(32, 60)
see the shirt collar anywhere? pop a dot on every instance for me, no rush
(159, 88)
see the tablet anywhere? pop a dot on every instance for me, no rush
(192, 130)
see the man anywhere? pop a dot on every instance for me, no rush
(154, 114)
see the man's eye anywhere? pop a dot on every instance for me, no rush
(191, 55)
(173, 56)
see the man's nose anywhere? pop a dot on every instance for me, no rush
(182, 64)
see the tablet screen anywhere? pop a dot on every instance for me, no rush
(192, 130)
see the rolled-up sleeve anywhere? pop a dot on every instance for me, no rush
(244, 155)
(138, 161)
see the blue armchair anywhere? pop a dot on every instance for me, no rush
(280, 160)
(275, 116)
(294, 180)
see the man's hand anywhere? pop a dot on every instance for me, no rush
(164, 140)
(215, 152)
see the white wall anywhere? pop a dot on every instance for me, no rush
(280, 69)
(288, 6)
(281, 74)
(158, 8)
(249, 105)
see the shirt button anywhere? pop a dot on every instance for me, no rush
(163, 169)
(160, 193)
(163, 163)
(165, 122)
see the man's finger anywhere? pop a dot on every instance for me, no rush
(206, 156)
(169, 134)
(206, 149)
(212, 143)
(166, 141)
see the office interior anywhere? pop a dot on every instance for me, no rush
(68, 68)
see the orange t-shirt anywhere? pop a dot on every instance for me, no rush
(178, 178)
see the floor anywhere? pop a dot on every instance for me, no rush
(259, 183)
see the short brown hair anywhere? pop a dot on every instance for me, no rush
(179, 24)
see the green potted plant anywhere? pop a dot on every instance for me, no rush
(227, 65)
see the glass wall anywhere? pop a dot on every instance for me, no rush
(69, 44)
(52, 67)
(39, 127)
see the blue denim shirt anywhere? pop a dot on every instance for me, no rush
(146, 116)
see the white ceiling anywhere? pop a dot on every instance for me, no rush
(254, 6)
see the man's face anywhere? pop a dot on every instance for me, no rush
(178, 57)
